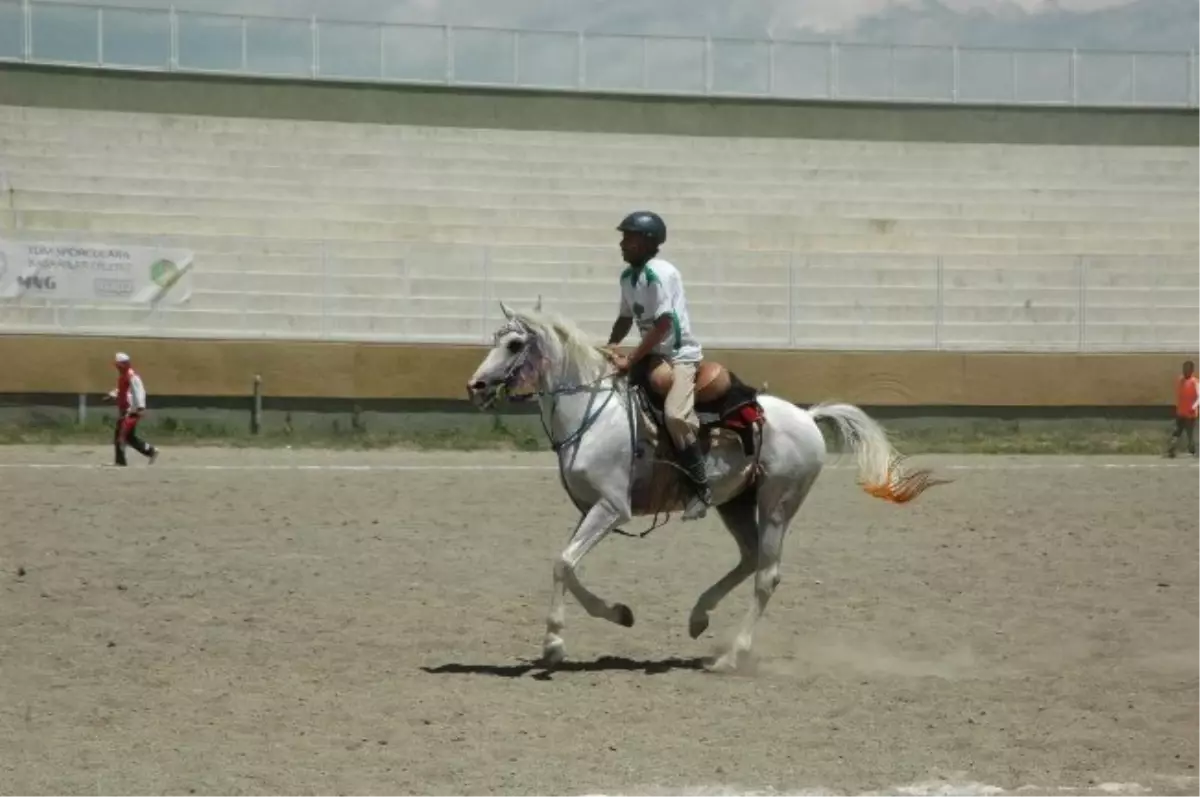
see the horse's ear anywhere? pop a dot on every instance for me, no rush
(504, 308)
(538, 307)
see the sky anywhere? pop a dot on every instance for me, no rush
(348, 50)
(1105, 24)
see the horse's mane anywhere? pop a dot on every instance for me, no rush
(577, 345)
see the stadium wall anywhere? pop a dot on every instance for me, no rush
(65, 364)
(44, 364)
(511, 109)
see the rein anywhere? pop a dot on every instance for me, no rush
(521, 363)
(553, 394)
(513, 374)
(527, 361)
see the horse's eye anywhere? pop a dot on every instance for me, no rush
(514, 346)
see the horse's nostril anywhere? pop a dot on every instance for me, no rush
(478, 384)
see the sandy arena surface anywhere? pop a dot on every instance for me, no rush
(314, 622)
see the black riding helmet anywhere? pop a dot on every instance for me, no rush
(647, 223)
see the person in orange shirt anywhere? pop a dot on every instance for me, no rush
(1187, 404)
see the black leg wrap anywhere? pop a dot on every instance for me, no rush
(693, 464)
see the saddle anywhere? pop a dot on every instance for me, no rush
(722, 400)
(728, 413)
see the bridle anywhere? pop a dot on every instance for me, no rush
(517, 372)
(524, 365)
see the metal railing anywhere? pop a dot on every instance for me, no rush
(446, 293)
(166, 39)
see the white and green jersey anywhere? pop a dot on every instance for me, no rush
(649, 293)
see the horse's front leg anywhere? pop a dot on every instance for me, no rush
(602, 518)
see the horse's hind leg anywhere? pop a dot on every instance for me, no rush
(740, 518)
(775, 513)
(595, 525)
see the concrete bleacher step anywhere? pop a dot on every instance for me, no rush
(566, 261)
(806, 296)
(403, 213)
(532, 204)
(570, 149)
(1175, 316)
(1018, 168)
(240, 324)
(687, 192)
(806, 200)
(334, 283)
(335, 232)
(724, 302)
(251, 283)
(1034, 314)
(1138, 337)
(773, 330)
(855, 334)
(865, 313)
(424, 174)
(278, 302)
(1142, 298)
(1007, 335)
(1127, 280)
(343, 231)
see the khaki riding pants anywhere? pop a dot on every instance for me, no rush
(680, 406)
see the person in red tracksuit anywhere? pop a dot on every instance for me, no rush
(130, 395)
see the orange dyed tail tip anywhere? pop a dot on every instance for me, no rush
(900, 487)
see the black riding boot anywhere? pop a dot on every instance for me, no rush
(693, 464)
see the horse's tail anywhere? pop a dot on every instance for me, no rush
(880, 467)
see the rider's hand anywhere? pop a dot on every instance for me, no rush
(620, 363)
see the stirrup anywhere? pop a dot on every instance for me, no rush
(697, 505)
(695, 509)
(692, 461)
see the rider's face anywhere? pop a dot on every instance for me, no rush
(635, 248)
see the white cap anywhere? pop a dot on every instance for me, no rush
(122, 357)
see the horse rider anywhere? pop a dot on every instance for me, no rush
(652, 294)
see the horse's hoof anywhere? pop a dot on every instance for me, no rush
(697, 625)
(624, 615)
(722, 664)
(732, 660)
(553, 654)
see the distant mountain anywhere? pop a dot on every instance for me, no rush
(1135, 25)
(1140, 25)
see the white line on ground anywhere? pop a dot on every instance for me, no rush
(999, 466)
(915, 790)
(945, 785)
(385, 467)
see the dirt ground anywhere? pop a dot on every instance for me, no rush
(237, 621)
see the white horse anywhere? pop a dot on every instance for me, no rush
(591, 418)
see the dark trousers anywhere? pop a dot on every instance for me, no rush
(125, 432)
(1183, 426)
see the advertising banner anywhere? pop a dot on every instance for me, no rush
(73, 272)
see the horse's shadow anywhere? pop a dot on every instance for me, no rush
(543, 671)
